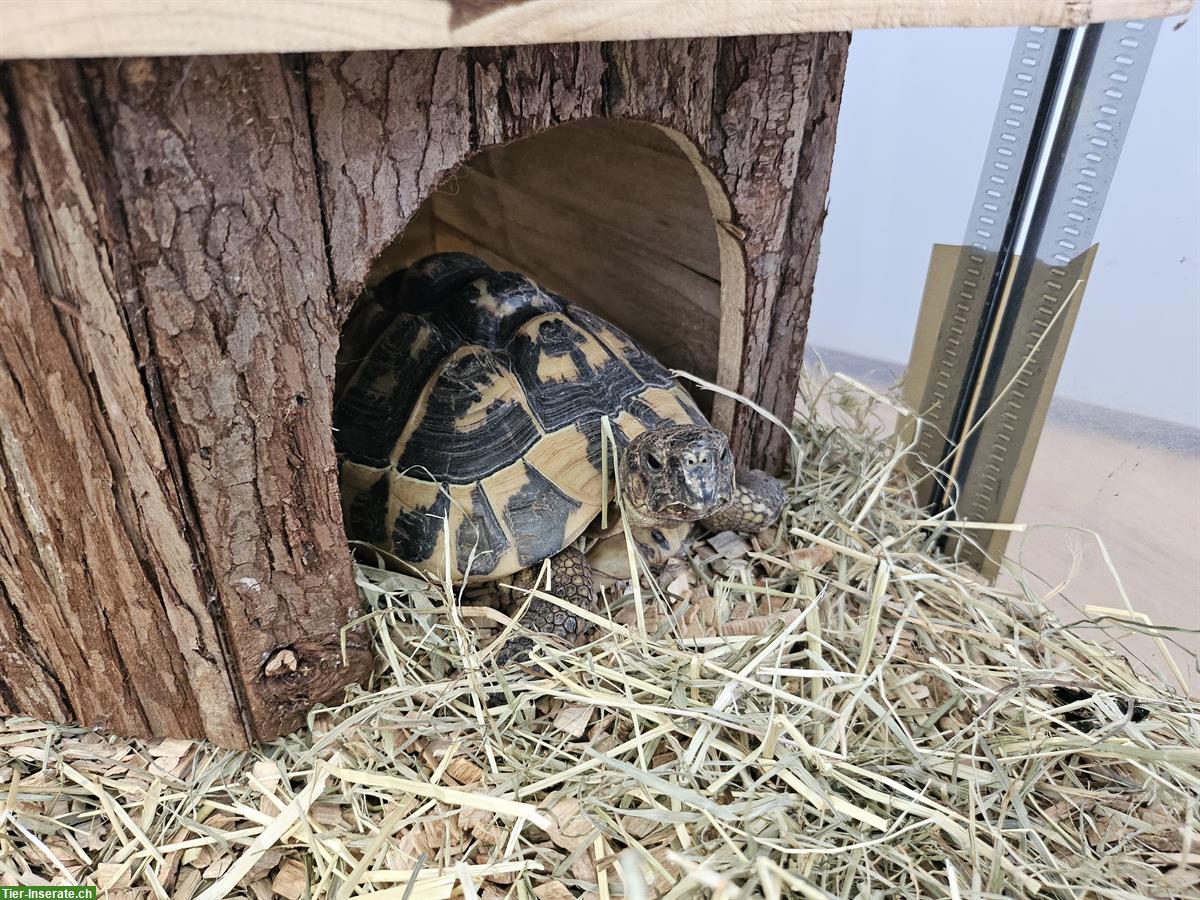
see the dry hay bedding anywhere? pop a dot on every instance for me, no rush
(827, 710)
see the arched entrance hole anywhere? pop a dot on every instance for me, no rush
(617, 216)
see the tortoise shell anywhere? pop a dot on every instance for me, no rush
(467, 417)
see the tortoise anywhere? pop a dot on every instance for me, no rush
(468, 419)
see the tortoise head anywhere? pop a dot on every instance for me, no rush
(676, 473)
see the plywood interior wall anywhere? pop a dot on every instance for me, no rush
(611, 215)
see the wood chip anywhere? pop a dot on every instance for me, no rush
(483, 825)
(266, 773)
(464, 771)
(268, 861)
(729, 545)
(170, 747)
(217, 867)
(757, 624)
(328, 815)
(568, 828)
(291, 881)
(187, 883)
(574, 720)
(813, 557)
(553, 890)
(112, 876)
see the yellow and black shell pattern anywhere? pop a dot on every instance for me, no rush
(467, 417)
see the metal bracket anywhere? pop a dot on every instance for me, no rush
(1068, 98)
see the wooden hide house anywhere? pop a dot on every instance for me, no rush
(193, 200)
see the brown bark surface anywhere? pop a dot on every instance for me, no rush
(215, 166)
(170, 503)
(102, 614)
(180, 242)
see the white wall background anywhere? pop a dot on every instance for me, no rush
(914, 124)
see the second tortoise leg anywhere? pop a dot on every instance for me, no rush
(570, 580)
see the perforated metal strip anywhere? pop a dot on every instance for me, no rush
(991, 229)
(1118, 71)
(1061, 232)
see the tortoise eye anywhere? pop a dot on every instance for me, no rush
(653, 463)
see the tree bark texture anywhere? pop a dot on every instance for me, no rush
(180, 242)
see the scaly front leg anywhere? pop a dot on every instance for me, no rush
(570, 580)
(757, 501)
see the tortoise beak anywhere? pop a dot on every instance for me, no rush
(702, 481)
(704, 497)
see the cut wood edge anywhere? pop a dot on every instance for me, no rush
(493, 207)
(732, 336)
(91, 28)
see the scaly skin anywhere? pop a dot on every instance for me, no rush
(756, 504)
(570, 580)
